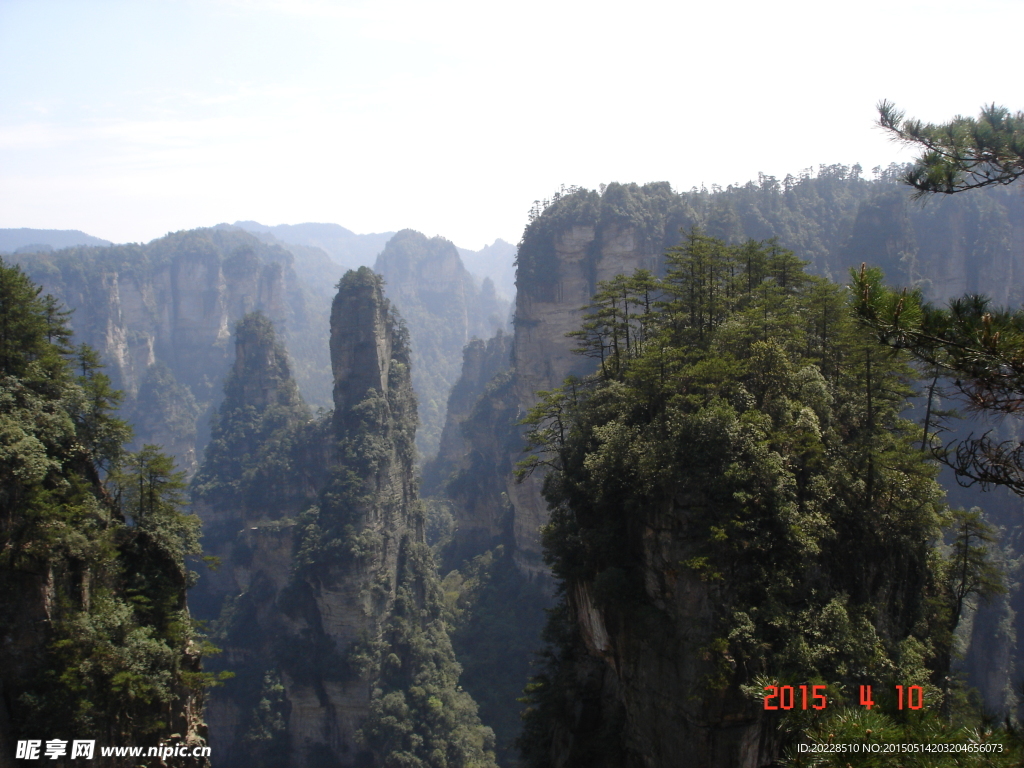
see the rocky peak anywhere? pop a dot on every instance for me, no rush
(413, 264)
(325, 601)
(362, 332)
(261, 371)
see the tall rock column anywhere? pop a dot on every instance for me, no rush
(336, 635)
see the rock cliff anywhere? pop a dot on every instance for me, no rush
(478, 434)
(161, 316)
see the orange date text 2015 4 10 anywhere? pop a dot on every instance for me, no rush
(788, 697)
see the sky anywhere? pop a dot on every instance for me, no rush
(128, 120)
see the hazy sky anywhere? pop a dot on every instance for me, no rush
(131, 119)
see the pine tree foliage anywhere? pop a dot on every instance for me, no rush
(965, 153)
(759, 419)
(980, 348)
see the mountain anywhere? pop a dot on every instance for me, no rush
(344, 246)
(161, 315)
(496, 261)
(835, 220)
(31, 240)
(444, 308)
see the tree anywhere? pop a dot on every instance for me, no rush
(965, 153)
(28, 326)
(979, 347)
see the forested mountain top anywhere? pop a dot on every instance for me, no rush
(834, 217)
(23, 239)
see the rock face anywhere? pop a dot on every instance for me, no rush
(947, 247)
(444, 308)
(328, 576)
(635, 686)
(478, 437)
(172, 304)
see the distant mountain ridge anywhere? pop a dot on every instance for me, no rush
(12, 240)
(496, 261)
(342, 245)
(350, 250)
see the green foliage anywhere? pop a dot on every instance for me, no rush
(971, 568)
(759, 419)
(419, 716)
(257, 432)
(496, 616)
(33, 330)
(981, 347)
(111, 650)
(908, 739)
(965, 153)
(266, 740)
